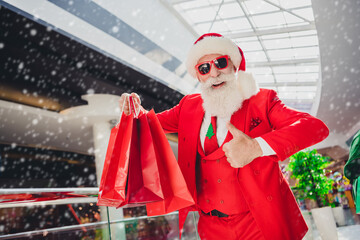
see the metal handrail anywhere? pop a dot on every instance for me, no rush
(27, 203)
(89, 190)
(49, 202)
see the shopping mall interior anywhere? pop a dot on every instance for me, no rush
(65, 63)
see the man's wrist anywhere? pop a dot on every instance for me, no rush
(265, 147)
(257, 149)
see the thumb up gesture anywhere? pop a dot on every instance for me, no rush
(242, 149)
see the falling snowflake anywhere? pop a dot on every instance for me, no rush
(79, 64)
(33, 32)
(90, 150)
(90, 91)
(21, 66)
(92, 177)
(115, 29)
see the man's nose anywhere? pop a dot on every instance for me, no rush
(214, 72)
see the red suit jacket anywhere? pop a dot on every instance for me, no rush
(262, 183)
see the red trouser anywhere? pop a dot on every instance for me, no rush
(240, 226)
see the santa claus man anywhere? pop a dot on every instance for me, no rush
(231, 138)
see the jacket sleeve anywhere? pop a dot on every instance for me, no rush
(292, 130)
(169, 119)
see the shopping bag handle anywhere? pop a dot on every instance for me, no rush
(122, 109)
(132, 107)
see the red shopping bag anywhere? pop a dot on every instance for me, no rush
(114, 176)
(130, 175)
(143, 184)
(176, 193)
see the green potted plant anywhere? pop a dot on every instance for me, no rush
(309, 168)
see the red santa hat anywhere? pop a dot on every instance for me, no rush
(214, 43)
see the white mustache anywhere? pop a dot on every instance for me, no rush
(215, 81)
(224, 101)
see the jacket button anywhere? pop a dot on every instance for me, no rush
(207, 200)
(219, 180)
(256, 172)
(218, 160)
(205, 181)
(188, 164)
(222, 201)
(204, 161)
(269, 198)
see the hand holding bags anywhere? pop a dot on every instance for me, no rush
(140, 167)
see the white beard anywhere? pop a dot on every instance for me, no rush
(224, 101)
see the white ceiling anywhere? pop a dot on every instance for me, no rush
(278, 37)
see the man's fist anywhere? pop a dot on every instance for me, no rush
(242, 149)
(125, 104)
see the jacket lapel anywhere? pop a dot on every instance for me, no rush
(238, 119)
(197, 116)
(193, 119)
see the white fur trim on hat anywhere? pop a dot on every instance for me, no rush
(212, 45)
(247, 85)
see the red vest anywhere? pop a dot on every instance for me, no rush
(215, 180)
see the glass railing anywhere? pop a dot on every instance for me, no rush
(72, 213)
(160, 227)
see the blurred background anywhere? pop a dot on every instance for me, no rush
(64, 64)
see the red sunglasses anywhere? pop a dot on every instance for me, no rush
(219, 62)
